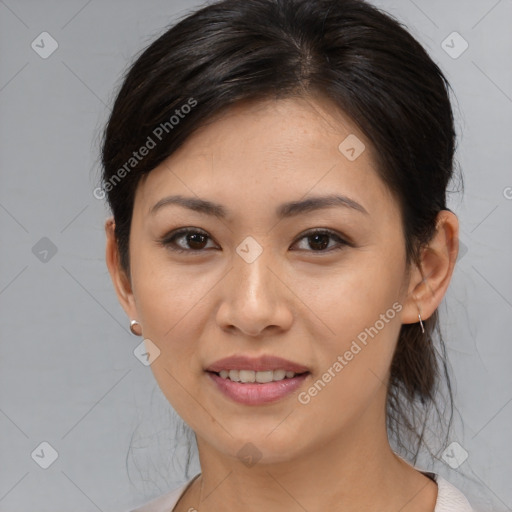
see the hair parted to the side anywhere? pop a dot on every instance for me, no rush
(347, 51)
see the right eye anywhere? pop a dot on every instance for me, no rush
(192, 240)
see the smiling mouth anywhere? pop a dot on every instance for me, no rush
(257, 377)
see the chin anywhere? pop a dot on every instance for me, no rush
(261, 448)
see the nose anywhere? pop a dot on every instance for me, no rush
(255, 298)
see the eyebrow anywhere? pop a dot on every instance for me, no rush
(285, 210)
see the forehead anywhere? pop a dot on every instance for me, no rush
(260, 153)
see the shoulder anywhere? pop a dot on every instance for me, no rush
(449, 498)
(165, 502)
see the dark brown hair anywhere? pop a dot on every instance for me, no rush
(347, 51)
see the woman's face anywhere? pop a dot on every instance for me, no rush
(263, 282)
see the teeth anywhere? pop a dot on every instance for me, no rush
(252, 376)
(234, 375)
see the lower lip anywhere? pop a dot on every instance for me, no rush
(255, 393)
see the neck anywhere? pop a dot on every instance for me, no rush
(354, 470)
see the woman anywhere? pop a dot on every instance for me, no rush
(277, 173)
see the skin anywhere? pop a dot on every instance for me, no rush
(295, 301)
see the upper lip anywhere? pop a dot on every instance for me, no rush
(257, 364)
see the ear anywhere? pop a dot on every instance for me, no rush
(428, 284)
(118, 275)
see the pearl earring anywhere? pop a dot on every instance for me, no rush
(135, 328)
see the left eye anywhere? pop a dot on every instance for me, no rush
(318, 240)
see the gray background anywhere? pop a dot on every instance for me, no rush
(68, 375)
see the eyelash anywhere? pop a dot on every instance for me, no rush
(169, 240)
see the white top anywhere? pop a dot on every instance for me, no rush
(449, 498)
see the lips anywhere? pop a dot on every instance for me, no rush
(256, 380)
(256, 364)
(256, 394)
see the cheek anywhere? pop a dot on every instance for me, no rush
(172, 306)
(354, 365)
(165, 291)
(353, 298)
(361, 308)
(171, 303)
